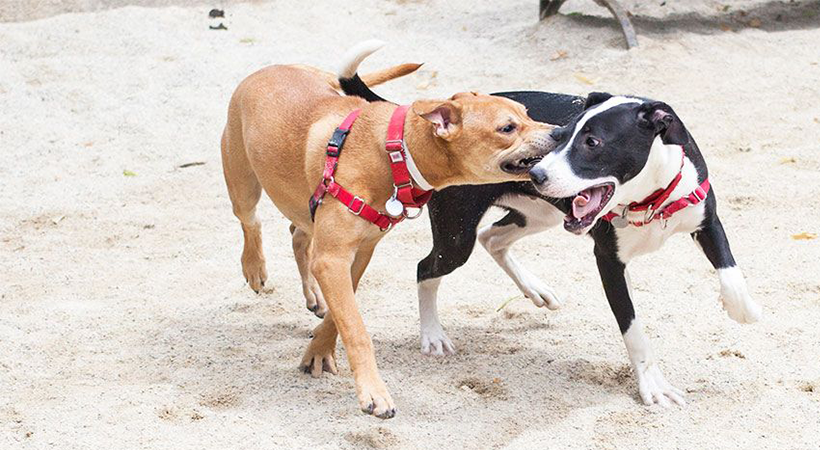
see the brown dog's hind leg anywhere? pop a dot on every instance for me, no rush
(314, 299)
(360, 263)
(244, 190)
(321, 353)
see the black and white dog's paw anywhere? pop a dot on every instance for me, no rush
(735, 298)
(654, 388)
(434, 342)
(540, 294)
(741, 309)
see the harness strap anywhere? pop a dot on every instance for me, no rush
(694, 197)
(334, 149)
(334, 146)
(357, 206)
(405, 192)
(655, 200)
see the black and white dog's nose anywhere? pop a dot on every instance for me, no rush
(538, 175)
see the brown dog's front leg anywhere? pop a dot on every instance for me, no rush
(332, 263)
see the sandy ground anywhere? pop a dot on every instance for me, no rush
(125, 321)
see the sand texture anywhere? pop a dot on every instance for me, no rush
(125, 322)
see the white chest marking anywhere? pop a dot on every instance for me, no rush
(635, 241)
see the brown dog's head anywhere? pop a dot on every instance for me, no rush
(487, 139)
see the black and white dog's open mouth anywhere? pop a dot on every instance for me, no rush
(586, 205)
(521, 165)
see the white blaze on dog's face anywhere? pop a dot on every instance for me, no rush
(490, 138)
(601, 151)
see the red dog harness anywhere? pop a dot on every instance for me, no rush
(405, 194)
(650, 205)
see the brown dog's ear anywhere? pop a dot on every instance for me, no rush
(445, 116)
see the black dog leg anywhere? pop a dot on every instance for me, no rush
(733, 292)
(454, 220)
(652, 386)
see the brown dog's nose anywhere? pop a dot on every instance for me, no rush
(538, 175)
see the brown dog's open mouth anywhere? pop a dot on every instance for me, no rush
(519, 166)
(586, 205)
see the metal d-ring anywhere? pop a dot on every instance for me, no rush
(648, 215)
(409, 217)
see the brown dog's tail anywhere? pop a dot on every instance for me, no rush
(371, 79)
(385, 75)
(349, 80)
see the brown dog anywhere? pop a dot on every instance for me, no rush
(279, 122)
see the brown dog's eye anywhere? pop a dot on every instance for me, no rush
(507, 129)
(592, 142)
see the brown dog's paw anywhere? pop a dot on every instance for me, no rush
(255, 273)
(375, 400)
(314, 363)
(314, 300)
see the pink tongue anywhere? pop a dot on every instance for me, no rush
(586, 202)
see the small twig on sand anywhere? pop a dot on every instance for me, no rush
(507, 302)
(191, 164)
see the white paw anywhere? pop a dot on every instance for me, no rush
(314, 300)
(540, 294)
(735, 297)
(741, 308)
(434, 342)
(655, 390)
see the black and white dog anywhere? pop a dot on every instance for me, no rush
(626, 171)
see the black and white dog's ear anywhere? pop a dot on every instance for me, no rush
(596, 98)
(662, 119)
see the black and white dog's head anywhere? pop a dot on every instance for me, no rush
(601, 153)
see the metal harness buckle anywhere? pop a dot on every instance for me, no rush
(396, 156)
(697, 193)
(361, 207)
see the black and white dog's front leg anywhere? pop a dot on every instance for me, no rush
(733, 292)
(652, 386)
(525, 216)
(454, 218)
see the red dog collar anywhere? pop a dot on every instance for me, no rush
(404, 191)
(651, 205)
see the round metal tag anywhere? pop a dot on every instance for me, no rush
(619, 222)
(394, 207)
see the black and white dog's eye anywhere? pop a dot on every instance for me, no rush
(592, 142)
(507, 129)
